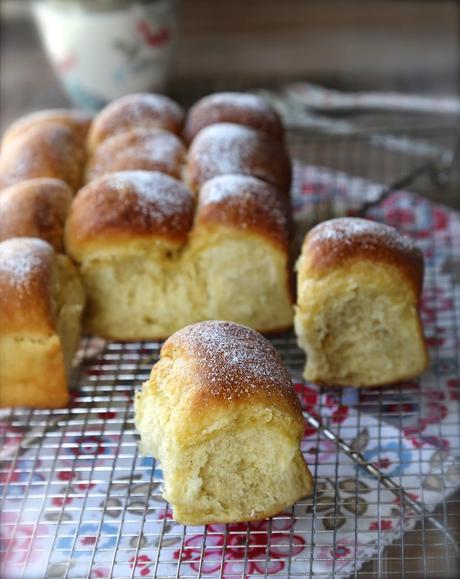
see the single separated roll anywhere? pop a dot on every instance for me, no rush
(359, 284)
(41, 301)
(240, 108)
(226, 148)
(135, 111)
(220, 413)
(35, 208)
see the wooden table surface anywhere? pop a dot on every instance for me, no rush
(262, 55)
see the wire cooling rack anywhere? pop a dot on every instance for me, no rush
(79, 501)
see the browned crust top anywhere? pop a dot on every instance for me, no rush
(35, 208)
(337, 241)
(244, 203)
(49, 150)
(133, 111)
(233, 107)
(25, 286)
(154, 150)
(225, 148)
(120, 206)
(77, 120)
(232, 363)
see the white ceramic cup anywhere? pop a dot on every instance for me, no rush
(103, 50)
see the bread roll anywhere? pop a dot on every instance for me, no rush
(220, 413)
(226, 148)
(245, 109)
(154, 150)
(125, 230)
(42, 301)
(135, 111)
(359, 284)
(239, 248)
(76, 120)
(52, 149)
(35, 208)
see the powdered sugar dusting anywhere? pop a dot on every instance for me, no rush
(248, 197)
(43, 151)
(137, 106)
(232, 187)
(162, 147)
(147, 150)
(137, 111)
(244, 101)
(21, 260)
(346, 230)
(158, 198)
(234, 361)
(224, 148)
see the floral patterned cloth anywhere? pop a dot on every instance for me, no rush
(79, 501)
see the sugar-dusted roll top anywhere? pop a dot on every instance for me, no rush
(221, 368)
(76, 120)
(232, 107)
(34, 283)
(244, 203)
(35, 208)
(339, 242)
(153, 150)
(122, 209)
(52, 149)
(26, 267)
(225, 148)
(136, 111)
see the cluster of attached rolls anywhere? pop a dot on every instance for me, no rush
(165, 237)
(162, 234)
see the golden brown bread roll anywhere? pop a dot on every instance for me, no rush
(153, 150)
(220, 413)
(147, 273)
(35, 208)
(226, 148)
(52, 149)
(234, 107)
(42, 301)
(135, 111)
(125, 231)
(359, 284)
(76, 120)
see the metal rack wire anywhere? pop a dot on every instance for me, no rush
(79, 500)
